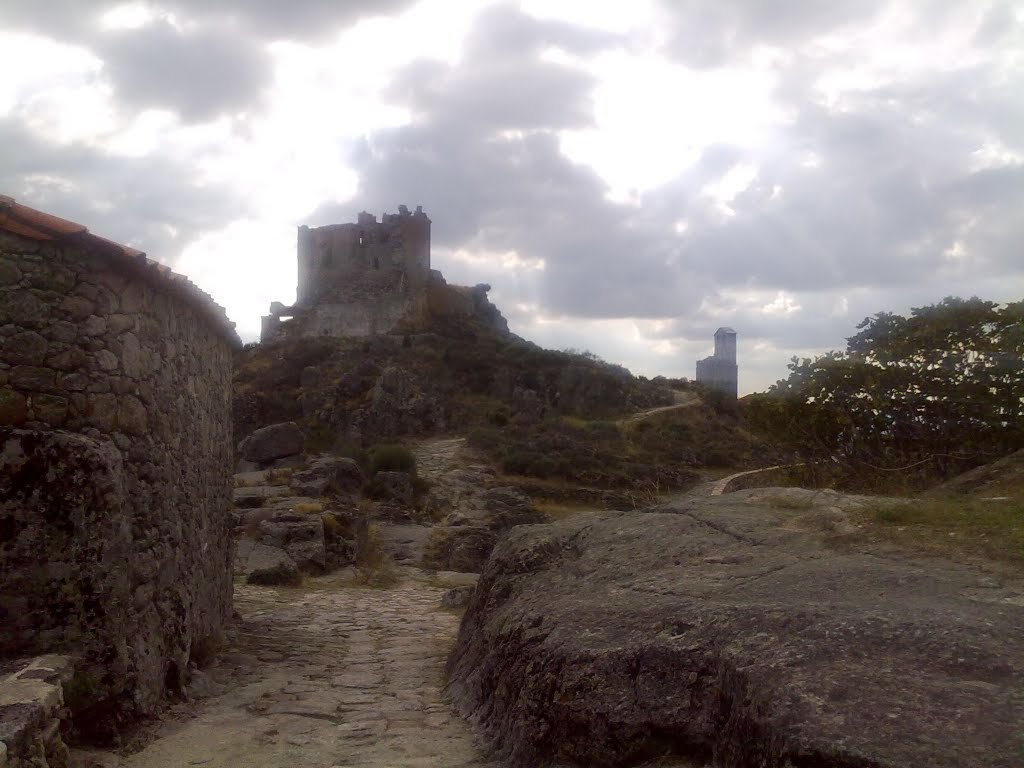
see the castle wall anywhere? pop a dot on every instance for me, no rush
(115, 467)
(347, 256)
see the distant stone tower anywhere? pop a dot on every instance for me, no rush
(720, 371)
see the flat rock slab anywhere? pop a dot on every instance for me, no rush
(325, 676)
(715, 629)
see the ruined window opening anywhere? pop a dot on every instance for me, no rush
(376, 262)
(285, 318)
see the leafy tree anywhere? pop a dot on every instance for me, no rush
(926, 395)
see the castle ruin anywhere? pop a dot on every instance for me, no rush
(719, 372)
(364, 278)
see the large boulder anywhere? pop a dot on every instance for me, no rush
(725, 630)
(328, 475)
(463, 548)
(251, 556)
(301, 535)
(277, 441)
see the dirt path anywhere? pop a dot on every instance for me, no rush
(683, 400)
(435, 457)
(321, 677)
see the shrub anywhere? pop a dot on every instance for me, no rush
(392, 458)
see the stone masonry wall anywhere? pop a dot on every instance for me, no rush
(102, 364)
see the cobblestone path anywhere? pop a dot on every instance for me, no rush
(331, 675)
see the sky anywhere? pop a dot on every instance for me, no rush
(627, 176)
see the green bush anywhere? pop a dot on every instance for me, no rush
(392, 458)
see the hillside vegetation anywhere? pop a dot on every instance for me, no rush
(554, 419)
(911, 402)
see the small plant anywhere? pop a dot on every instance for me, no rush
(333, 527)
(373, 566)
(308, 508)
(392, 458)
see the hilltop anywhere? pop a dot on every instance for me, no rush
(563, 422)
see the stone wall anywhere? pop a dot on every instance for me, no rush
(340, 256)
(115, 466)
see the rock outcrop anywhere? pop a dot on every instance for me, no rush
(473, 516)
(277, 441)
(718, 629)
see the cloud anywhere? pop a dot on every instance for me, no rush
(197, 73)
(151, 203)
(262, 19)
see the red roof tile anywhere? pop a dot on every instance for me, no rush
(35, 225)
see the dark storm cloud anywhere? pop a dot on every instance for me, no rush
(149, 203)
(198, 74)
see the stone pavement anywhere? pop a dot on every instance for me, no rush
(325, 676)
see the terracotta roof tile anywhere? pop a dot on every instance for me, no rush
(29, 223)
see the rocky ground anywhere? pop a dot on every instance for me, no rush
(747, 630)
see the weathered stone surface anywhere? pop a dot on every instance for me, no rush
(253, 556)
(248, 497)
(13, 407)
(394, 486)
(463, 548)
(328, 475)
(457, 597)
(500, 509)
(152, 385)
(301, 535)
(400, 404)
(713, 628)
(66, 550)
(273, 442)
(32, 713)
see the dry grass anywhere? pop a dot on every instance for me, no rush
(373, 566)
(279, 476)
(309, 508)
(954, 526)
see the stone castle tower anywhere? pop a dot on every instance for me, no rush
(364, 278)
(720, 370)
(358, 279)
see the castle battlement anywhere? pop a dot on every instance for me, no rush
(339, 260)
